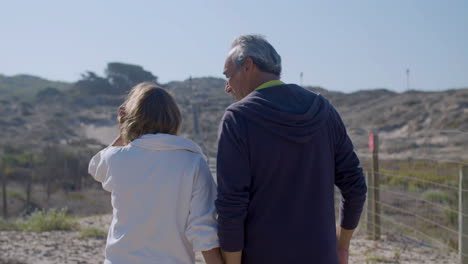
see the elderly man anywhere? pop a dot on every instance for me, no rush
(282, 149)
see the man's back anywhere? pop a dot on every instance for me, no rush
(283, 149)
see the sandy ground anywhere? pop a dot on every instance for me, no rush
(68, 247)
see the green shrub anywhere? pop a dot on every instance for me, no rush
(7, 225)
(41, 221)
(93, 232)
(76, 196)
(451, 216)
(437, 196)
(14, 194)
(419, 173)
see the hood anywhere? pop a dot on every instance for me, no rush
(165, 142)
(289, 111)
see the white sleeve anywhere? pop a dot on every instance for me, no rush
(202, 227)
(99, 169)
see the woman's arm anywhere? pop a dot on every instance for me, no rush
(201, 226)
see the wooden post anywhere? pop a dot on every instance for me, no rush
(462, 218)
(375, 172)
(375, 185)
(28, 188)
(52, 160)
(370, 206)
(4, 192)
(48, 187)
(29, 177)
(65, 176)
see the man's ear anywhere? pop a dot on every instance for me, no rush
(248, 64)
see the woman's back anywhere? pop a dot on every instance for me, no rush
(162, 195)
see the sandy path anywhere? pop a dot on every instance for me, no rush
(68, 247)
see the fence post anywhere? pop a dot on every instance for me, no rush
(462, 218)
(370, 206)
(4, 192)
(375, 172)
(28, 189)
(374, 184)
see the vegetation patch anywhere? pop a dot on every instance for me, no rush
(438, 196)
(42, 221)
(93, 232)
(76, 196)
(6, 225)
(14, 194)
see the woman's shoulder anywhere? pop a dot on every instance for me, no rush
(112, 152)
(165, 142)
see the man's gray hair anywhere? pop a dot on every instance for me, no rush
(262, 53)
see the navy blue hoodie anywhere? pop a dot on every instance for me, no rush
(281, 151)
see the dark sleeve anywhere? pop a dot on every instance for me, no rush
(348, 176)
(233, 176)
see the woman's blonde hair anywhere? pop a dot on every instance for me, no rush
(148, 109)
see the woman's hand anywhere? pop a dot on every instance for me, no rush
(121, 116)
(118, 142)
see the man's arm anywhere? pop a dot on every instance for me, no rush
(351, 182)
(233, 173)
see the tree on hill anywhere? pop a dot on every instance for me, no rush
(49, 94)
(91, 83)
(124, 76)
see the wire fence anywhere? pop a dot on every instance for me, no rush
(418, 199)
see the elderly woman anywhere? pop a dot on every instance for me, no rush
(162, 190)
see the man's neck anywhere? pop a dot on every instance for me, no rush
(265, 77)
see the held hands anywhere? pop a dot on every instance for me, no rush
(343, 237)
(343, 255)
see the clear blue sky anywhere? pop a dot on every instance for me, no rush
(339, 45)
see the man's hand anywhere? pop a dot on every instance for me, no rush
(213, 256)
(232, 257)
(343, 237)
(343, 256)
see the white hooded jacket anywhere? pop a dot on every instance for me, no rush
(162, 197)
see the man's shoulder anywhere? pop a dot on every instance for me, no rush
(237, 108)
(273, 96)
(231, 113)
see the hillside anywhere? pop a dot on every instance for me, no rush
(27, 85)
(412, 124)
